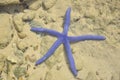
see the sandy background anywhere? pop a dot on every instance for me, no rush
(20, 48)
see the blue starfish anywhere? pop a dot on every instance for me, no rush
(66, 40)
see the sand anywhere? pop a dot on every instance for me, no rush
(20, 48)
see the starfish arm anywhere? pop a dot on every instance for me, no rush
(67, 21)
(50, 52)
(70, 58)
(51, 32)
(86, 37)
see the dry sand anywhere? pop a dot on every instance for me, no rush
(20, 48)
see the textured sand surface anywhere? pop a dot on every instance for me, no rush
(20, 48)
